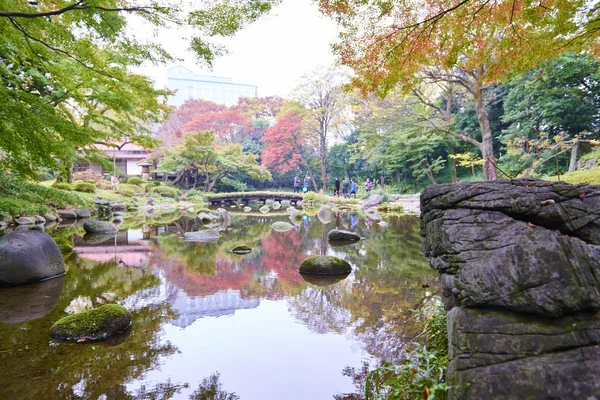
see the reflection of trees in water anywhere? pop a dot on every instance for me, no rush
(322, 309)
(390, 271)
(30, 368)
(211, 389)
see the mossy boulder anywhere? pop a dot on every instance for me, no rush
(94, 226)
(324, 280)
(96, 324)
(325, 265)
(242, 249)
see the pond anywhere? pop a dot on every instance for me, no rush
(208, 323)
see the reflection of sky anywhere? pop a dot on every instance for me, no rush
(261, 353)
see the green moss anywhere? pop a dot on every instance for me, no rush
(94, 324)
(324, 265)
(589, 176)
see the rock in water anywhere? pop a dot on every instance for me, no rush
(26, 221)
(324, 215)
(94, 226)
(324, 280)
(264, 209)
(344, 236)
(205, 236)
(247, 209)
(373, 201)
(83, 213)
(50, 217)
(281, 226)
(324, 265)
(66, 214)
(96, 324)
(28, 257)
(206, 217)
(242, 249)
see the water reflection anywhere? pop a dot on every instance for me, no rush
(198, 308)
(26, 303)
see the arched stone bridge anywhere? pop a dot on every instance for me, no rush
(247, 197)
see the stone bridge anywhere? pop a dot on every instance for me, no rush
(247, 197)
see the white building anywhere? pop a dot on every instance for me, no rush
(213, 88)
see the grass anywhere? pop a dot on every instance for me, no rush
(589, 176)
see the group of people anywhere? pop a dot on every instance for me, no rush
(349, 187)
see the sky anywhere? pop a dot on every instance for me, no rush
(273, 53)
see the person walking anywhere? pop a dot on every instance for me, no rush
(368, 185)
(306, 184)
(345, 185)
(296, 184)
(114, 180)
(353, 188)
(336, 192)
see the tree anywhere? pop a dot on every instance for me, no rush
(65, 71)
(550, 110)
(284, 143)
(326, 105)
(229, 125)
(470, 43)
(200, 158)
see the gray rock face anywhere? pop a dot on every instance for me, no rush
(205, 236)
(40, 219)
(373, 201)
(495, 244)
(519, 262)
(340, 235)
(507, 355)
(26, 221)
(119, 207)
(27, 257)
(83, 213)
(94, 226)
(66, 214)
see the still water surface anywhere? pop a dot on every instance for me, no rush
(210, 324)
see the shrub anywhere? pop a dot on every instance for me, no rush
(134, 180)
(148, 186)
(127, 192)
(157, 183)
(85, 187)
(134, 188)
(63, 186)
(165, 191)
(311, 197)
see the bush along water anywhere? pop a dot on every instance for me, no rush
(422, 374)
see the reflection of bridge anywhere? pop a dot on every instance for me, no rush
(247, 197)
(215, 305)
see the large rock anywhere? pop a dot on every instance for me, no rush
(264, 209)
(83, 212)
(224, 217)
(206, 217)
(495, 354)
(338, 235)
(525, 245)
(206, 236)
(325, 265)
(26, 221)
(373, 201)
(96, 324)
(94, 226)
(28, 257)
(66, 214)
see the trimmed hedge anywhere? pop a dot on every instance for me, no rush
(85, 187)
(134, 180)
(165, 191)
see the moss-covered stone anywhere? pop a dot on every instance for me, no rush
(242, 249)
(324, 265)
(96, 324)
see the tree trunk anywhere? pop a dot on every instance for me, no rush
(487, 147)
(65, 171)
(454, 174)
(323, 152)
(573, 160)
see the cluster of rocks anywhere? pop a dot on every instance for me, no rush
(214, 222)
(519, 262)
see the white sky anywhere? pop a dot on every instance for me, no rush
(273, 53)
